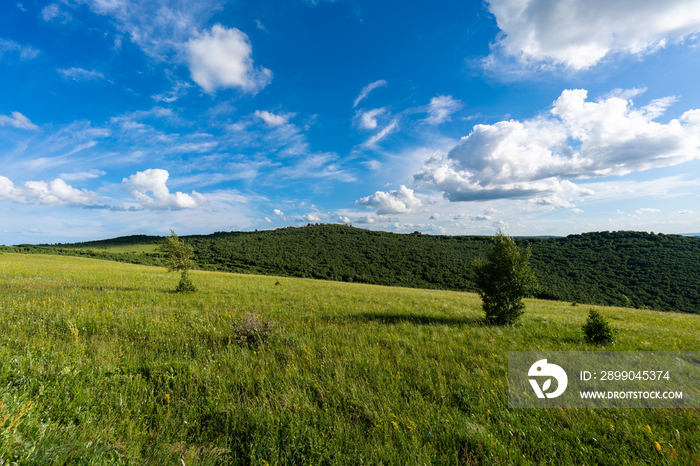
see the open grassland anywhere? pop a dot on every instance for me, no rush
(100, 363)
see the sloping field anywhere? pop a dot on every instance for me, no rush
(100, 363)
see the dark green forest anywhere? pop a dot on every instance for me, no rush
(639, 269)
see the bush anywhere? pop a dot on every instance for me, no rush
(504, 279)
(597, 329)
(252, 330)
(185, 285)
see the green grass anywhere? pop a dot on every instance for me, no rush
(100, 363)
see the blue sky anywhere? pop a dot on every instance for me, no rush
(122, 117)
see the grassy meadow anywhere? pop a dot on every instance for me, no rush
(101, 363)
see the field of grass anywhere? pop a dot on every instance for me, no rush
(100, 363)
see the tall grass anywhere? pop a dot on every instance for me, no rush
(100, 363)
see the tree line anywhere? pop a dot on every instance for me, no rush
(639, 269)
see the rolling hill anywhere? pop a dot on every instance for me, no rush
(649, 270)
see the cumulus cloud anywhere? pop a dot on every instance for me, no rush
(56, 192)
(367, 89)
(398, 201)
(368, 119)
(278, 212)
(79, 74)
(684, 212)
(440, 109)
(271, 119)
(312, 217)
(152, 181)
(549, 203)
(18, 121)
(221, 58)
(580, 33)
(535, 158)
(366, 219)
(647, 210)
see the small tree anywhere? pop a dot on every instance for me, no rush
(504, 279)
(597, 329)
(177, 259)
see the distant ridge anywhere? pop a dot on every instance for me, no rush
(656, 271)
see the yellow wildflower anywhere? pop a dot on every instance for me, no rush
(657, 445)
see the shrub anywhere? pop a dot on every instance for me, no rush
(504, 279)
(185, 285)
(597, 329)
(252, 330)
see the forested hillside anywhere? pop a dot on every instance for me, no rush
(647, 270)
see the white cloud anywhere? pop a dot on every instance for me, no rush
(345, 220)
(549, 203)
(79, 74)
(160, 28)
(367, 89)
(578, 139)
(368, 119)
(684, 212)
(25, 52)
(647, 210)
(313, 217)
(440, 109)
(54, 12)
(9, 191)
(79, 176)
(271, 119)
(366, 219)
(576, 210)
(580, 33)
(260, 25)
(221, 58)
(373, 165)
(388, 129)
(18, 121)
(153, 180)
(179, 89)
(278, 213)
(398, 201)
(56, 192)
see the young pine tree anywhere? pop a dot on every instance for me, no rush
(178, 259)
(504, 279)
